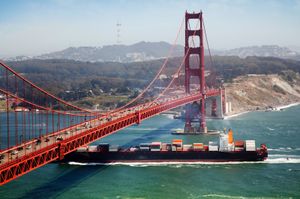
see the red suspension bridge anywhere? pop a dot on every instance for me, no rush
(37, 127)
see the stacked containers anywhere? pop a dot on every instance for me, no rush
(212, 146)
(173, 148)
(198, 146)
(187, 147)
(164, 147)
(169, 147)
(92, 148)
(250, 145)
(82, 149)
(239, 145)
(155, 146)
(114, 148)
(103, 147)
(145, 146)
(177, 145)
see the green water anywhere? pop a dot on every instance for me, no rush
(278, 177)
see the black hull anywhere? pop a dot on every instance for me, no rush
(164, 156)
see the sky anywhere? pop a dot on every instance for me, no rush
(33, 27)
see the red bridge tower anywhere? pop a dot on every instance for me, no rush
(196, 71)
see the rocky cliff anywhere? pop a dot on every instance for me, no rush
(259, 92)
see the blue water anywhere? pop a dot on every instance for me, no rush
(278, 177)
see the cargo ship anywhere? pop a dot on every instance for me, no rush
(224, 150)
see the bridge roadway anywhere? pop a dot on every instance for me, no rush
(33, 154)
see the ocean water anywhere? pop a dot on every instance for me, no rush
(278, 177)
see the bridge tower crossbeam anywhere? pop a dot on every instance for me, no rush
(199, 70)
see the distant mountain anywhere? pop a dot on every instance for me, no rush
(142, 51)
(261, 51)
(18, 58)
(146, 51)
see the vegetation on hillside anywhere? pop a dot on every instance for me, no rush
(75, 81)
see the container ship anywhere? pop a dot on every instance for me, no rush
(225, 150)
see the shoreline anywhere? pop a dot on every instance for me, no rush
(287, 106)
(236, 114)
(277, 108)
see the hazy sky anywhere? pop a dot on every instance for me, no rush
(31, 27)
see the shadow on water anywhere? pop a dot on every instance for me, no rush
(63, 183)
(79, 174)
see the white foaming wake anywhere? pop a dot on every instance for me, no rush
(273, 159)
(284, 156)
(284, 149)
(229, 196)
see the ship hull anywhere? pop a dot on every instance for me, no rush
(164, 156)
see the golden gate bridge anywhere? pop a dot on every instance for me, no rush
(37, 128)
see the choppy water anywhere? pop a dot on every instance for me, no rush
(278, 177)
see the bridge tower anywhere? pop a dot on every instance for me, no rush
(198, 69)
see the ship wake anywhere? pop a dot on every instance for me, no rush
(273, 159)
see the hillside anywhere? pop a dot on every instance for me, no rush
(70, 74)
(258, 92)
(142, 51)
(146, 51)
(83, 81)
(261, 51)
(58, 76)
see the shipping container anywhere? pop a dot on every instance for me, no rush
(213, 148)
(239, 148)
(82, 149)
(92, 148)
(177, 141)
(164, 147)
(104, 147)
(179, 148)
(205, 148)
(154, 149)
(187, 147)
(250, 145)
(239, 143)
(145, 144)
(145, 148)
(198, 148)
(198, 145)
(169, 147)
(155, 146)
(114, 148)
(250, 149)
(174, 148)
